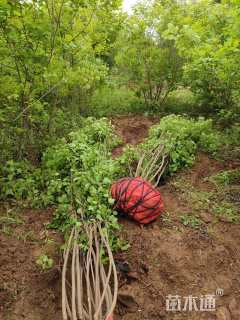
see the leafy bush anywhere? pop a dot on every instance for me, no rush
(110, 100)
(209, 44)
(56, 68)
(76, 173)
(80, 176)
(183, 137)
(81, 150)
(181, 101)
(231, 135)
(19, 181)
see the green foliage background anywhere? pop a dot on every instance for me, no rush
(64, 59)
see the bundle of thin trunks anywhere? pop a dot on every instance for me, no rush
(87, 282)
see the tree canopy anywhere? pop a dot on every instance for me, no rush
(62, 59)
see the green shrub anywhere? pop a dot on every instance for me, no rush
(232, 134)
(113, 100)
(79, 178)
(19, 181)
(48, 184)
(183, 137)
(76, 173)
(180, 101)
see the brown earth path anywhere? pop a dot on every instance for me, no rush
(132, 129)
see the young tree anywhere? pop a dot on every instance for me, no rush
(208, 37)
(151, 63)
(50, 60)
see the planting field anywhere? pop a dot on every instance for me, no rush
(119, 160)
(193, 249)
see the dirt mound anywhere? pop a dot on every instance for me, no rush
(132, 129)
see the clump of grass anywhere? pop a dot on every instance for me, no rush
(226, 178)
(227, 211)
(8, 222)
(190, 220)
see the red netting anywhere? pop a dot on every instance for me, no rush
(137, 198)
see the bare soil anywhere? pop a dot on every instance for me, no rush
(164, 258)
(27, 292)
(132, 130)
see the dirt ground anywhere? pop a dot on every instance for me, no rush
(25, 291)
(132, 130)
(164, 258)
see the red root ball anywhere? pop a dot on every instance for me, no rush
(138, 199)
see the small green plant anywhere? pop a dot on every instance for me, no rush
(10, 219)
(200, 200)
(7, 230)
(192, 221)
(28, 237)
(8, 222)
(19, 181)
(226, 178)
(227, 211)
(44, 262)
